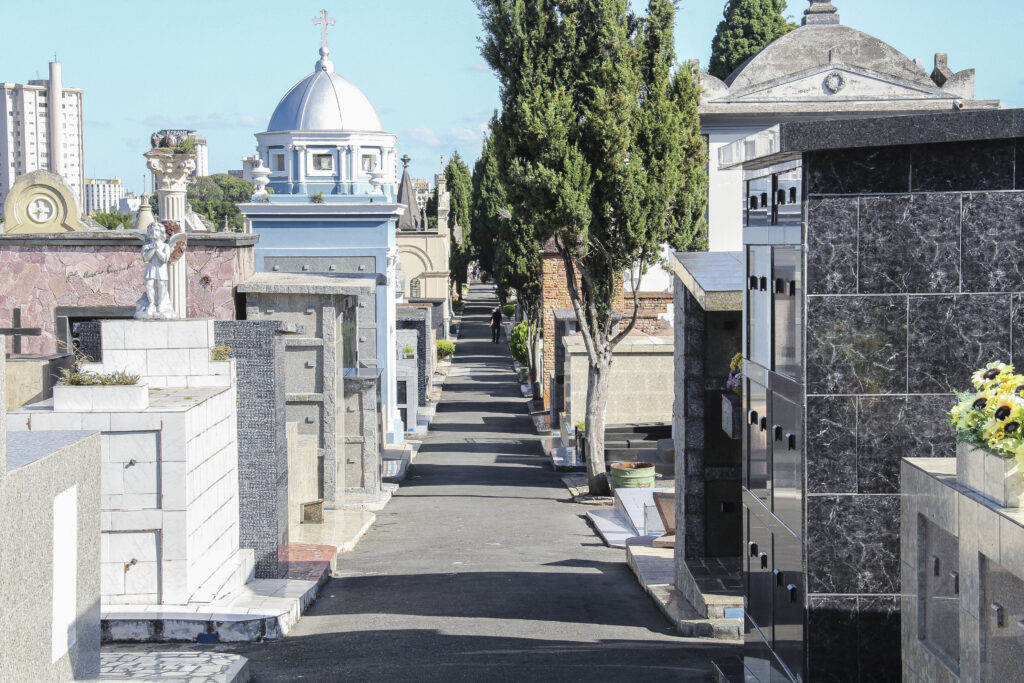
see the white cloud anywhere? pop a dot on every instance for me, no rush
(468, 134)
(480, 66)
(425, 136)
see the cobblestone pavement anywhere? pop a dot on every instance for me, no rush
(481, 568)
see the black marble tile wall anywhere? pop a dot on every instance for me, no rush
(949, 337)
(909, 243)
(858, 171)
(856, 344)
(962, 166)
(831, 444)
(853, 544)
(832, 245)
(993, 253)
(894, 427)
(853, 638)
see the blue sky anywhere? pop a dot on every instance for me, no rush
(221, 66)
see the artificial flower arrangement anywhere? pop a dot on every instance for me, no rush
(735, 381)
(992, 416)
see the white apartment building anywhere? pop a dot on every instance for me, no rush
(102, 194)
(41, 128)
(423, 191)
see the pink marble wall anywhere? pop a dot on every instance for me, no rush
(37, 279)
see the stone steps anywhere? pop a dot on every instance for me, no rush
(655, 570)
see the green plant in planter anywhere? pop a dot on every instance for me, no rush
(518, 342)
(735, 381)
(317, 198)
(445, 348)
(992, 416)
(508, 310)
(76, 377)
(408, 349)
(220, 352)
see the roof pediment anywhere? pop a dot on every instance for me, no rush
(832, 83)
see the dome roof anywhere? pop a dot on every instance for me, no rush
(812, 46)
(324, 101)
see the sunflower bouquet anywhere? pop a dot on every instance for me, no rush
(992, 416)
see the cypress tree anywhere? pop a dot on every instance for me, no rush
(748, 26)
(599, 146)
(460, 187)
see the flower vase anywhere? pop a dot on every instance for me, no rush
(998, 478)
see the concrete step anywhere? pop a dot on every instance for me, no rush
(654, 568)
(611, 526)
(713, 587)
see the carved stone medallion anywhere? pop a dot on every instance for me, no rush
(834, 82)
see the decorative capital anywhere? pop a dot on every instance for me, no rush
(172, 171)
(820, 12)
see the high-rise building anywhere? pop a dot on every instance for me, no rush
(102, 194)
(41, 128)
(422, 188)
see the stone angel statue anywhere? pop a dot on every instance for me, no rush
(165, 244)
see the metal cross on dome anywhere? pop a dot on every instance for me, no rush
(324, 21)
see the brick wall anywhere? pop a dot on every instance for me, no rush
(555, 294)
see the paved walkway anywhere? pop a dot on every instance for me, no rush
(481, 568)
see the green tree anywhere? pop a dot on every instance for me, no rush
(216, 197)
(431, 211)
(599, 145)
(748, 26)
(460, 188)
(115, 219)
(487, 205)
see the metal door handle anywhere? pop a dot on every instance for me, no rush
(956, 582)
(753, 282)
(764, 424)
(753, 548)
(777, 429)
(764, 284)
(791, 440)
(780, 286)
(779, 577)
(792, 287)
(935, 565)
(764, 560)
(791, 588)
(752, 415)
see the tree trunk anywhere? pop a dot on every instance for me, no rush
(598, 379)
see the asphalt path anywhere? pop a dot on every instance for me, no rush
(481, 568)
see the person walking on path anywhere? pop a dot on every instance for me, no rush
(495, 325)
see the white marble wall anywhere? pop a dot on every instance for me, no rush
(169, 488)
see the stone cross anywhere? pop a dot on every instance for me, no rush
(323, 22)
(41, 210)
(405, 160)
(16, 331)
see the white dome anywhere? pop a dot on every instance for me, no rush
(324, 101)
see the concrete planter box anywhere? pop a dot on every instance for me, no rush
(84, 399)
(997, 478)
(732, 414)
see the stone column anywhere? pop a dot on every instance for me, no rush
(300, 169)
(171, 173)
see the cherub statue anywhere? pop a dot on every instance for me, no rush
(157, 253)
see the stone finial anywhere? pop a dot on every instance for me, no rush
(405, 160)
(820, 12)
(145, 216)
(260, 177)
(941, 73)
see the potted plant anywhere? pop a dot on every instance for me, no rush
(408, 352)
(732, 399)
(83, 391)
(990, 442)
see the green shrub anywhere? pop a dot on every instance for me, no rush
(519, 341)
(508, 310)
(458, 305)
(445, 348)
(408, 349)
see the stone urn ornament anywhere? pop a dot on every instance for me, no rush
(165, 244)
